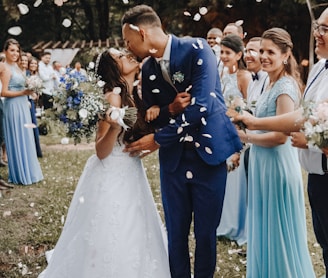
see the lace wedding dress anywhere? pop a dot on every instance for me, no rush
(113, 228)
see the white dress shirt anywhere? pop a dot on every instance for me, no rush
(256, 87)
(317, 90)
(47, 75)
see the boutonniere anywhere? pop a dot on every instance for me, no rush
(178, 76)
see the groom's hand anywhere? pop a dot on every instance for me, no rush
(143, 146)
(181, 101)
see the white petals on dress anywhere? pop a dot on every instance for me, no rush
(189, 175)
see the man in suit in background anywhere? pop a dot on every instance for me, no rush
(194, 139)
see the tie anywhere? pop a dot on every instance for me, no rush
(255, 76)
(164, 67)
(326, 64)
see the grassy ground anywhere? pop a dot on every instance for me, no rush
(31, 217)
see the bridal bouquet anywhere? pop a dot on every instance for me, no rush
(34, 83)
(316, 124)
(80, 103)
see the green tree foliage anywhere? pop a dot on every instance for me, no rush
(100, 19)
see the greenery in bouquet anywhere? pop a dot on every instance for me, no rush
(315, 126)
(80, 103)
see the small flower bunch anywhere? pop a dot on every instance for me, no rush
(80, 103)
(316, 124)
(237, 104)
(34, 83)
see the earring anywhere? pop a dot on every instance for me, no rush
(285, 62)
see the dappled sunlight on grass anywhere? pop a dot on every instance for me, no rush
(32, 217)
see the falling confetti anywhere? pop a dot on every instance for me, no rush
(239, 22)
(66, 23)
(179, 130)
(203, 121)
(15, 31)
(152, 77)
(23, 9)
(200, 62)
(117, 90)
(197, 17)
(155, 91)
(203, 10)
(189, 175)
(37, 3)
(186, 13)
(208, 150)
(193, 101)
(202, 109)
(207, 135)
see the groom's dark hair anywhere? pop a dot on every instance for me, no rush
(141, 14)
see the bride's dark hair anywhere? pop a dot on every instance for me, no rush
(108, 70)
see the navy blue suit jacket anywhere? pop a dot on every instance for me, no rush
(204, 121)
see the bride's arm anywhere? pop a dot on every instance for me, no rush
(108, 129)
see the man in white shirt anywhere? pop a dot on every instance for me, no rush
(313, 160)
(49, 78)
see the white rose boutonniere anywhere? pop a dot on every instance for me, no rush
(178, 77)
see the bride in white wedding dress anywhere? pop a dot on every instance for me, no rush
(113, 228)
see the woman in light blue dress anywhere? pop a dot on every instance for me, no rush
(23, 164)
(277, 234)
(234, 83)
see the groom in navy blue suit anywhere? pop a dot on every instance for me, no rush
(193, 134)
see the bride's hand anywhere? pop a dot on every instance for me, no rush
(244, 117)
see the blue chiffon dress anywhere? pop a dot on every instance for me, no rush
(233, 219)
(277, 234)
(23, 164)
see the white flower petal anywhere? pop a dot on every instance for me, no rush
(200, 43)
(136, 83)
(189, 138)
(200, 62)
(202, 109)
(186, 13)
(155, 91)
(203, 121)
(212, 94)
(172, 121)
(197, 17)
(152, 77)
(203, 10)
(189, 175)
(181, 139)
(37, 3)
(183, 117)
(179, 130)
(117, 90)
(64, 141)
(67, 22)
(208, 150)
(195, 46)
(15, 31)
(23, 9)
(197, 145)
(134, 27)
(81, 200)
(207, 135)
(153, 50)
(193, 101)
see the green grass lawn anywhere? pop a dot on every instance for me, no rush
(31, 217)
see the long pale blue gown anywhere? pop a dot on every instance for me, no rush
(23, 164)
(233, 218)
(277, 234)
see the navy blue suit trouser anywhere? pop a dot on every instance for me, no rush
(195, 190)
(318, 192)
